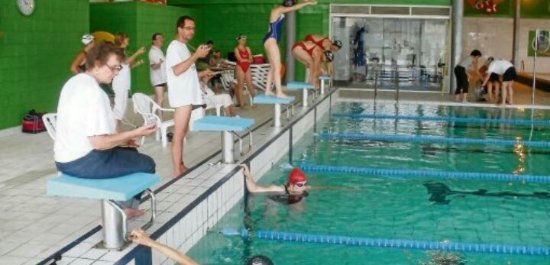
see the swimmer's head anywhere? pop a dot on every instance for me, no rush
(338, 44)
(329, 56)
(297, 177)
(259, 260)
(289, 2)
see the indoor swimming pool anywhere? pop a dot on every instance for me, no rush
(407, 181)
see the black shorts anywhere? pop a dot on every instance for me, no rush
(509, 75)
(162, 85)
(461, 80)
(493, 77)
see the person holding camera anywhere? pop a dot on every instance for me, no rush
(184, 92)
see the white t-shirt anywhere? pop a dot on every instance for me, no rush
(499, 67)
(121, 87)
(211, 99)
(83, 110)
(183, 89)
(158, 76)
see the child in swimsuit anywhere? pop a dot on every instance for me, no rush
(311, 56)
(271, 41)
(244, 74)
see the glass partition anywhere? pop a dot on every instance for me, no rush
(406, 52)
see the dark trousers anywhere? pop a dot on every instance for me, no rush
(110, 163)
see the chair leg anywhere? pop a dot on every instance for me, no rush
(163, 136)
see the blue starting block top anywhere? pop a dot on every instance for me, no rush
(218, 123)
(324, 77)
(120, 188)
(298, 86)
(263, 99)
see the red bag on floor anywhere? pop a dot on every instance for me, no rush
(258, 59)
(32, 122)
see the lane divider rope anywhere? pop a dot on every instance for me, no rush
(373, 171)
(428, 139)
(443, 119)
(389, 243)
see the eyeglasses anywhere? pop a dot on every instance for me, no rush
(189, 28)
(300, 184)
(115, 68)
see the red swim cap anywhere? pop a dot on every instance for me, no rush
(296, 175)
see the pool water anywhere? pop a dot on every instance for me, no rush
(442, 210)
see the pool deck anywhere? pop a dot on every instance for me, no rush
(34, 225)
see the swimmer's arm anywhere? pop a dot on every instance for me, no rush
(253, 187)
(140, 237)
(173, 254)
(283, 9)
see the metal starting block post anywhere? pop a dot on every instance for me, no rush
(272, 100)
(110, 191)
(227, 126)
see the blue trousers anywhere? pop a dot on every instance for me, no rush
(112, 163)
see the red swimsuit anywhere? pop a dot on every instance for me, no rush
(245, 57)
(318, 43)
(304, 47)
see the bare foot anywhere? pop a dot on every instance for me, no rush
(181, 169)
(281, 95)
(269, 93)
(132, 213)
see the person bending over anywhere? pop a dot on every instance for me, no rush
(507, 74)
(311, 56)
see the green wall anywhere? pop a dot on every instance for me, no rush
(536, 9)
(139, 20)
(36, 53)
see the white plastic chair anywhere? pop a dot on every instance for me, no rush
(259, 74)
(147, 108)
(50, 121)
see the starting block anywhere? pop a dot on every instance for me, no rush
(305, 87)
(228, 126)
(266, 100)
(324, 78)
(115, 231)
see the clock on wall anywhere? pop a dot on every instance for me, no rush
(26, 7)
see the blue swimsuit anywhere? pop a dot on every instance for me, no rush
(275, 29)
